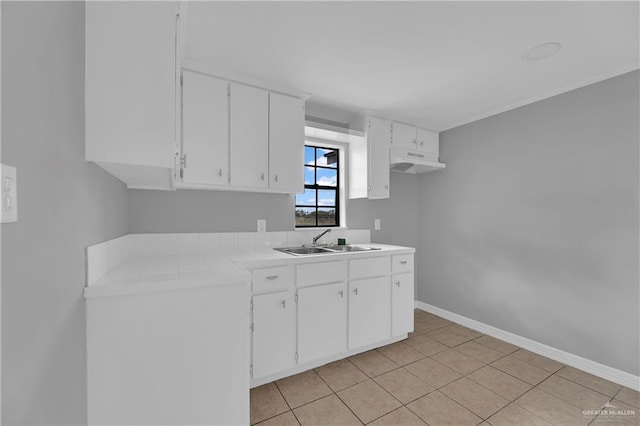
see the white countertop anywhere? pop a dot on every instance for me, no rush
(147, 274)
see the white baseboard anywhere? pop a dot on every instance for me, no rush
(595, 368)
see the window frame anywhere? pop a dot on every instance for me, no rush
(317, 187)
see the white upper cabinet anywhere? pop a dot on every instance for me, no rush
(286, 143)
(131, 86)
(404, 136)
(205, 129)
(249, 127)
(416, 139)
(240, 137)
(379, 135)
(429, 143)
(369, 159)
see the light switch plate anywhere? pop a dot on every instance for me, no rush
(376, 224)
(262, 225)
(9, 191)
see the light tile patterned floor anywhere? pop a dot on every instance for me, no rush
(444, 374)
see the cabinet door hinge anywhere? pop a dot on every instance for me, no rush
(251, 327)
(296, 356)
(181, 80)
(296, 298)
(183, 161)
(228, 90)
(251, 305)
(178, 172)
(251, 371)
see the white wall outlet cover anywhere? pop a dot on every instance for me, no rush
(9, 194)
(262, 225)
(376, 224)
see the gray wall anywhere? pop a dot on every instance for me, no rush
(224, 211)
(533, 226)
(398, 214)
(207, 211)
(65, 204)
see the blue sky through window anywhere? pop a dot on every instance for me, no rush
(318, 205)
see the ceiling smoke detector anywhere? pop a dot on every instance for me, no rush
(542, 51)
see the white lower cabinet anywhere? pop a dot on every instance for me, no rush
(322, 319)
(402, 303)
(304, 317)
(169, 357)
(369, 311)
(274, 333)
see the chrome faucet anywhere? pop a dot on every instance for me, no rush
(320, 235)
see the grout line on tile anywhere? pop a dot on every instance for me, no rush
(562, 399)
(282, 395)
(519, 406)
(347, 405)
(405, 405)
(296, 417)
(584, 386)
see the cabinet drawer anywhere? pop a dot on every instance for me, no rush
(371, 267)
(402, 263)
(321, 273)
(266, 279)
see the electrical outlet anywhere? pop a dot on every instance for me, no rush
(9, 191)
(376, 224)
(262, 225)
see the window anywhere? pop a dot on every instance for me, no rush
(319, 205)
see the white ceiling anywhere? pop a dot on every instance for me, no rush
(435, 64)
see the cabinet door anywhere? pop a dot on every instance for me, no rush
(130, 80)
(402, 302)
(249, 119)
(369, 311)
(274, 333)
(379, 137)
(429, 143)
(404, 136)
(205, 129)
(322, 321)
(286, 143)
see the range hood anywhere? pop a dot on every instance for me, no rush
(407, 161)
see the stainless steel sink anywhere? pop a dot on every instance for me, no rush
(303, 251)
(349, 248)
(300, 251)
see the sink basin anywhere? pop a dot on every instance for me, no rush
(303, 251)
(298, 251)
(349, 248)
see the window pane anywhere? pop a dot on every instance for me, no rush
(305, 216)
(327, 177)
(309, 178)
(327, 157)
(307, 198)
(326, 217)
(326, 197)
(309, 156)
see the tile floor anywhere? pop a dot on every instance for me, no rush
(444, 374)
